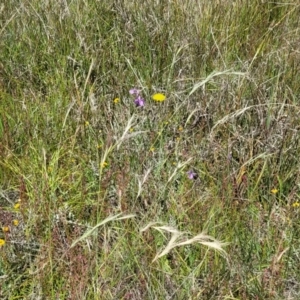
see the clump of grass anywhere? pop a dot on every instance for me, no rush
(178, 113)
(177, 240)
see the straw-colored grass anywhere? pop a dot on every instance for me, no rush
(195, 196)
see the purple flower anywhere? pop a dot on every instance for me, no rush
(229, 156)
(192, 175)
(139, 101)
(134, 91)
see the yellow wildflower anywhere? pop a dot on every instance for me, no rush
(116, 100)
(274, 191)
(17, 205)
(131, 129)
(296, 204)
(159, 97)
(180, 128)
(103, 165)
(87, 123)
(5, 229)
(152, 149)
(2, 242)
(16, 222)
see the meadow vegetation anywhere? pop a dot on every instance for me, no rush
(108, 193)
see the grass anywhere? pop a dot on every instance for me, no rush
(105, 207)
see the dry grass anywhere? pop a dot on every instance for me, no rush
(89, 172)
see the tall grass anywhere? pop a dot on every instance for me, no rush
(96, 202)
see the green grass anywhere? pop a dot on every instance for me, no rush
(107, 210)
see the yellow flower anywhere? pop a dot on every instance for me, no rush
(16, 222)
(131, 129)
(103, 165)
(17, 205)
(152, 149)
(296, 204)
(87, 123)
(274, 191)
(180, 128)
(159, 97)
(116, 100)
(2, 242)
(5, 229)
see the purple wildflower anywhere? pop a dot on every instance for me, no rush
(192, 175)
(139, 101)
(229, 156)
(134, 91)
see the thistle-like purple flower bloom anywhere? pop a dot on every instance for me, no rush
(139, 101)
(134, 91)
(192, 175)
